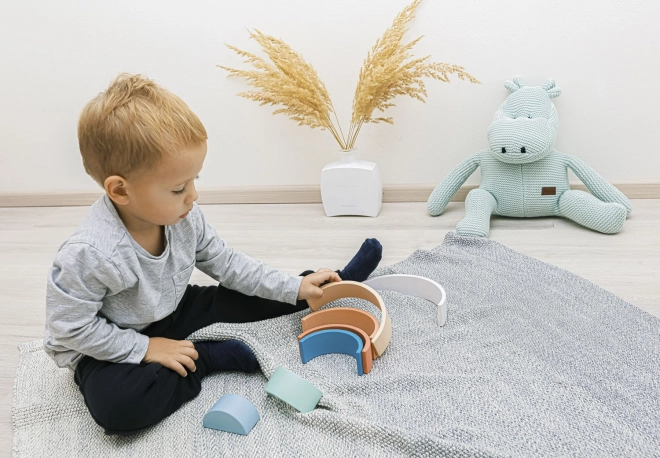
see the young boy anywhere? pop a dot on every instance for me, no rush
(118, 302)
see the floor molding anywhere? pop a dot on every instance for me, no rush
(285, 195)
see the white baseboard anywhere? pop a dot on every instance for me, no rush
(285, 195)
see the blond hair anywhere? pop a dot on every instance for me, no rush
(132, 126)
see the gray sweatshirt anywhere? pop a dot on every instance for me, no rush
(104, 287)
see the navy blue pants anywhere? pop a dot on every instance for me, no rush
(126, 398)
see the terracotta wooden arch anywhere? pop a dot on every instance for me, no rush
(344, 289)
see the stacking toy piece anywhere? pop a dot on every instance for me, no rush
(293, 389)
(367, 357)
(343, 289)
(414, 285)
(232, 413)
(341, 315)
(332, 341)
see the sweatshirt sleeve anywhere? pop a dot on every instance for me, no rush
(236, 270)
(81, 276)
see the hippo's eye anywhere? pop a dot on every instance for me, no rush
(529, 117)
(503, 150)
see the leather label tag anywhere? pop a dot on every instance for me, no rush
(549, 191)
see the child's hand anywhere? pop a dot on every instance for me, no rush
(309, 288)
(173, 354)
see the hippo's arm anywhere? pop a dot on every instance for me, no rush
(443, 192)
(598, 185)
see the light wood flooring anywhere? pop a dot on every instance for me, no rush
(295, 237)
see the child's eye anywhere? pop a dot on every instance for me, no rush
(180, 191)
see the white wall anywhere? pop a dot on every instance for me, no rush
(55, 56)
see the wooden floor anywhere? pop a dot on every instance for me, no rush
(299, 237)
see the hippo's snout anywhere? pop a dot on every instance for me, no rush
(521, 140)
(523, 150)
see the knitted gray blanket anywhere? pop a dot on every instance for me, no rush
(533, 361)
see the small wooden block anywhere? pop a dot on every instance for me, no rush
(293, 389)
(233, 414)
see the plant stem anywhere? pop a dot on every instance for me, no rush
(350, 133)
(338, 123)
(334, 134)
(355, 130)
(357, 133)
(333, 131)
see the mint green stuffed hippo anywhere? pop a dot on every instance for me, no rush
(522, 175)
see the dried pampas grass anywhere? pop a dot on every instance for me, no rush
(289, 81)
(292, 84)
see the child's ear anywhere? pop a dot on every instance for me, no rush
(115, 188)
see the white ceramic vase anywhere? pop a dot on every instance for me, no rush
(351, 187)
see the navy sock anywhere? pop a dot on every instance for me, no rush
(364, 262)
(227, 355)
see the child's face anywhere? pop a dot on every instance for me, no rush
(164, 196)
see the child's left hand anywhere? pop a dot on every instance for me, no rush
(310, 286)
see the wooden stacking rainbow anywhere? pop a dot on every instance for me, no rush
(355, 332)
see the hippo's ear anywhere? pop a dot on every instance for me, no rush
(550, 88)
(514, 85)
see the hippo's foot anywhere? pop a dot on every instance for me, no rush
(479, 205)
(587, 210)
